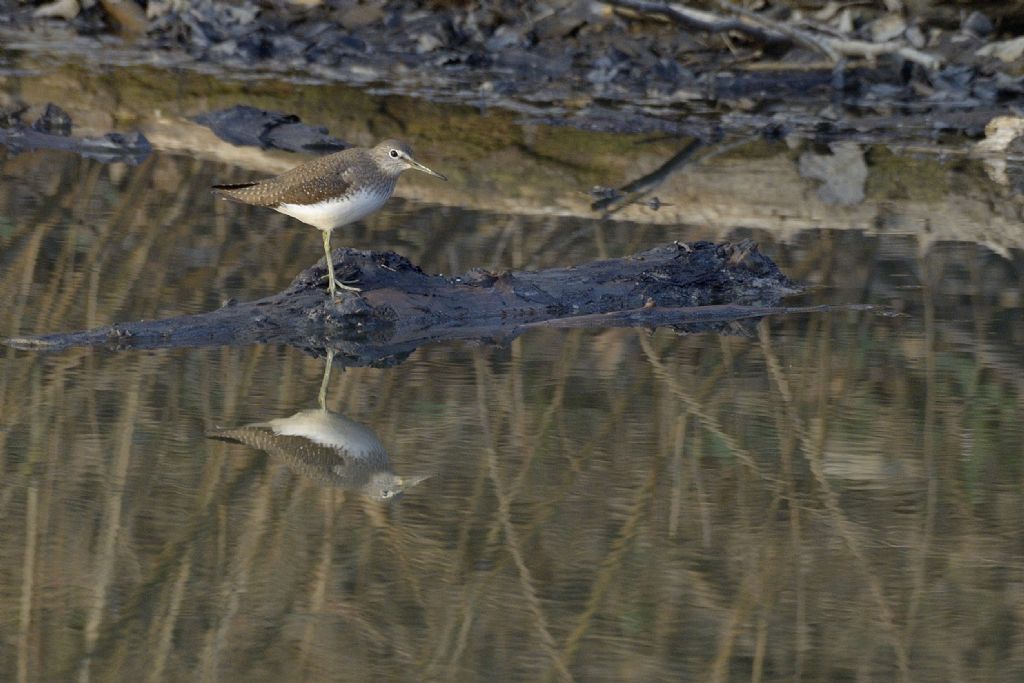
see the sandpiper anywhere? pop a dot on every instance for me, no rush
(332, 191)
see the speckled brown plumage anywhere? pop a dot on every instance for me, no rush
(334, 176)
(327, 465)
(328, 448)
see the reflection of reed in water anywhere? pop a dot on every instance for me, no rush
(328, 448)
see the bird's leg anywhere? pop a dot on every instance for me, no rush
(322, 397)
(330, 262)
(333, 284)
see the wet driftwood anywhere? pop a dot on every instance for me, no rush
(691, 287)
(52, 130)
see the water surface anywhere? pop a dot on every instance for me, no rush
(827, 497)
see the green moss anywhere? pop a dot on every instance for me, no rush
(893, 176)
(464, 130)
(583, 148)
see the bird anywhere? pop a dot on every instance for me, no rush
(328, 448)
(333, 190)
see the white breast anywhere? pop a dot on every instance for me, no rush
(329, 429)
(335, 213)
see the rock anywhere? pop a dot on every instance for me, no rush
(54, 120)
(359, 16)
(1004, 50)
(844, 22)
(1001, 133)
(427, 42)
(503, 39)
(60, 9)
(10, 114)
(978, 24)
(887, 28)
(915, 36)
(843, 173)
(242, 124)
(245, 125)
(298, 137)
(558, 24)
(353, 44)
(607, 67)
(127, 15)
(287, 47)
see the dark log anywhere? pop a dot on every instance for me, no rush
(402, 308)
(245, 125)
(130, 148)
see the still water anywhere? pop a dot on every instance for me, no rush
(826, 497)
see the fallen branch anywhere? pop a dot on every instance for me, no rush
(836, 48)
(798, 35)
(769, 31)
(402, 308)
(863, 48)
(701, 20)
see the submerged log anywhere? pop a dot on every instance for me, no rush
(690, 287)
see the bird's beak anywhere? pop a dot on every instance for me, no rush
(409, 482)
(420, 167)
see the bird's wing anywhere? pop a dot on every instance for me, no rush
(324, 464)
(314, 181)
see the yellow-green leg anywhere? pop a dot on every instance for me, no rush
(332, 284)
(330, 262)
(322, 397)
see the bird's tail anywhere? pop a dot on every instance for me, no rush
(223, 435)
(244, 435)
(233, 186)
(232, 190)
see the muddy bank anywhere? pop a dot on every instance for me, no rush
(939, 192)
(627, 66)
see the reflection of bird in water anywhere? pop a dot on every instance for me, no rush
(328, 448)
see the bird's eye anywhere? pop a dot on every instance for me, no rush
(394, 154)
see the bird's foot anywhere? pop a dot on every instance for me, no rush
(342, 286)
(345, 284)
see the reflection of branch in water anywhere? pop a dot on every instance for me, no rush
(632, 192)
(611, 200)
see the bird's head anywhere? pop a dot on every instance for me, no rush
(388, 487)
(394, 156)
